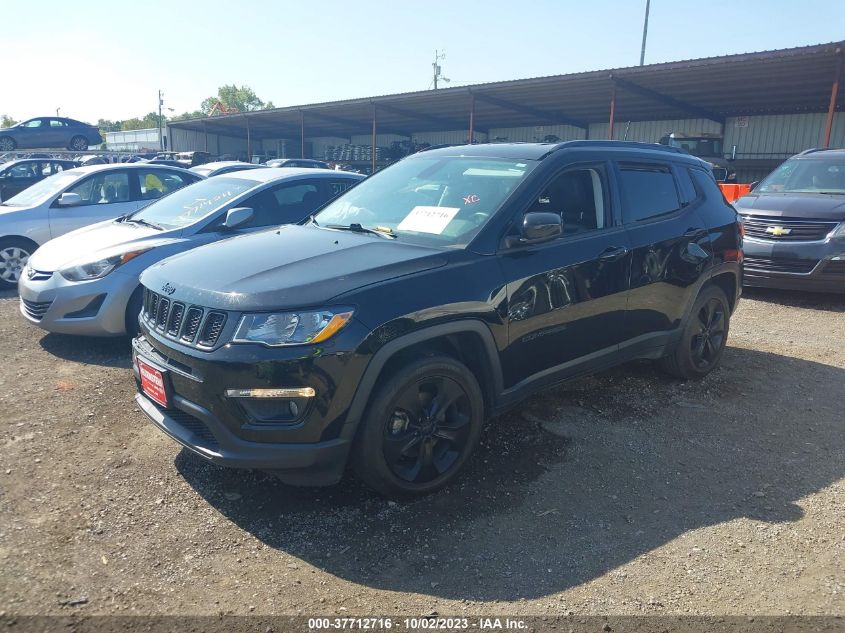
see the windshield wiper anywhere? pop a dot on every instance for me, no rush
(381, 231)
(145, 223)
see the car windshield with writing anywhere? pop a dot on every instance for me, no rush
(434, 201)
(191, 204)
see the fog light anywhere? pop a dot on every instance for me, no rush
(291, 392)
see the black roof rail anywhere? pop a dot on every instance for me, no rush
(620, 144)
(813, 150)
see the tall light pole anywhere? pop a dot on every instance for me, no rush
(57, 111)
(645, 32)
(160, 139)
(438, 55)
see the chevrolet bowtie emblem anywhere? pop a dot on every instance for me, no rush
(777, 231)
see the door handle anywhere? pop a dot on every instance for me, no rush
(613, 253)
(695, 233)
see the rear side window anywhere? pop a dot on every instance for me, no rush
(104, 188)
(156, 183)
(705, 185)
(649, 191)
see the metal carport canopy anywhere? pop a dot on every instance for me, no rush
(772, 82)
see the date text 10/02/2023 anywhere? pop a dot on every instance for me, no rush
(416, 624)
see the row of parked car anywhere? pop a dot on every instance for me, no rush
(17, 175)
(301, 321)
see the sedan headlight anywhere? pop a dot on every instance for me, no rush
(99, 268)
(840, 232)
(292, 328)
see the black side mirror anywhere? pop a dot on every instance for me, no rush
(753, 185)
(537, 227)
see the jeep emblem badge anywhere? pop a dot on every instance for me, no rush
(168, 289)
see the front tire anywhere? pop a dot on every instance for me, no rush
(78, 144)
(7, 144)
(704, 338)
(14, 253)
(133, 310)
(420, 427)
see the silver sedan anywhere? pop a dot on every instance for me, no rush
(86, 282)
(75, 198)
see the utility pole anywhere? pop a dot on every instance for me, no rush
(645, 32)
(160, 103)
(438, 55)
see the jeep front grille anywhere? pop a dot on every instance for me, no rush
(189, 324)
(192, 324)
(212, 328)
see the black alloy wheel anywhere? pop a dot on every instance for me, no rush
(421, 425)
(704, 337)
(428, 430)
(706, 345)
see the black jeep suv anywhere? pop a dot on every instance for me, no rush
(387, 328)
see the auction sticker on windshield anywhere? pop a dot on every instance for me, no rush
(152, 382)
(428, 219)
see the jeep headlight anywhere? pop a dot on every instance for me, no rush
(99, 268)
(292, 328)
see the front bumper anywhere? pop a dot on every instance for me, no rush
(811, 266)
(310, 448)
(198, 430)
(91, 308)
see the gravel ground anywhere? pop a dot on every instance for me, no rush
(623, 493)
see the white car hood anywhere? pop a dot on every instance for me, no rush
(5, 210)
(96, 241)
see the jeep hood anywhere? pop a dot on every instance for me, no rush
(818, 206)
(290, 267)
(102, 239)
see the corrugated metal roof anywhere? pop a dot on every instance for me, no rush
(770, 82)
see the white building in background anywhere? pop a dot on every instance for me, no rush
(133, 140)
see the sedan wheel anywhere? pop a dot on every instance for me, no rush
(13, 258)
(79, 143)
(6, 144)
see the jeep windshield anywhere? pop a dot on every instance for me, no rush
(806, 175)
(433, 201)
(192, 203)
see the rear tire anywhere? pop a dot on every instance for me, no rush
(78, 144)
(420, 427)
(14, 253)
(704, 338)
(7, 144)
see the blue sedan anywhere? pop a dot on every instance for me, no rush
(49, 132)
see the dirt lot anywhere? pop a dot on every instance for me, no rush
(625, 493)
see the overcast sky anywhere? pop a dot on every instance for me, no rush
(107, 59)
